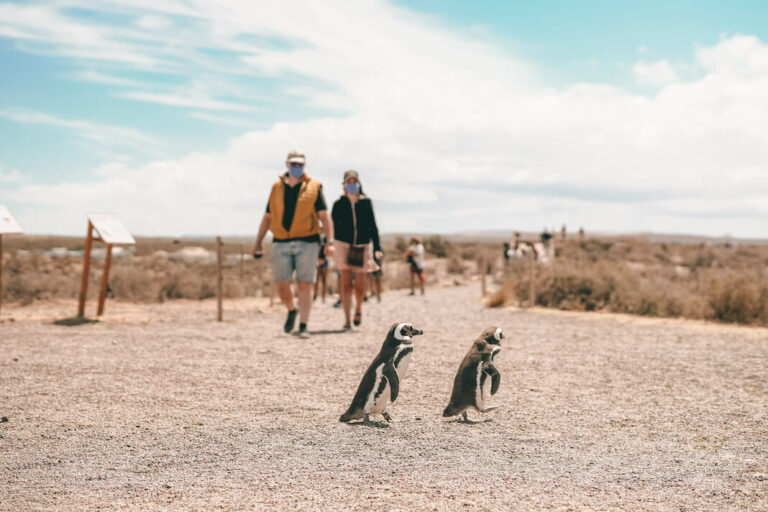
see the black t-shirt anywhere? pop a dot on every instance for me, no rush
(290, 198)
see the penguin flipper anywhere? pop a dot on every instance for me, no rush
(394, 381)
(491, 370)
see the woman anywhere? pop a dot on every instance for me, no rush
(356, 231)
(415, 256)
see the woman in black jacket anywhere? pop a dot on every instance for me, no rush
(357, 238)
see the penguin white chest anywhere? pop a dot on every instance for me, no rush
(478, 387)
(380, 404)
(378, 397)
(403, 358)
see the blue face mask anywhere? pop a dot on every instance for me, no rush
(296, 170)
(352, 188)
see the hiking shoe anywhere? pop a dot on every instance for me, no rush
(303, 333)
(290, 320)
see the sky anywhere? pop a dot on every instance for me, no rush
(460, 116)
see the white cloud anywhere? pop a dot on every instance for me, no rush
(95, 132)
(660, 72)
(153, 22)
(449, 134)
(225, 120)
(12, 176)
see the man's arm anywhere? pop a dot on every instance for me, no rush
(263, 228)
(327, 223)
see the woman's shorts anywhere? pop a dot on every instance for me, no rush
(340, 258)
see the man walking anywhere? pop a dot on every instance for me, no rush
(296, 212)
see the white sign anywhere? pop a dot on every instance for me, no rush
(8, 224)
(110, 229)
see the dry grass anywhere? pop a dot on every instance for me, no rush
(150, 273)
(628, 275)
(728, 284)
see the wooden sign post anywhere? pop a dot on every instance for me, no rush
(8, 226)
(219, 280)
(111, 231)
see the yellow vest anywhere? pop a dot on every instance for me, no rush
(305, 221)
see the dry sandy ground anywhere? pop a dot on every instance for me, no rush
(161, 408)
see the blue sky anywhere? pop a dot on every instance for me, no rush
(622, 116)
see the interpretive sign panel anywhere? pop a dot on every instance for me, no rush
(110, 229)
(8, 224)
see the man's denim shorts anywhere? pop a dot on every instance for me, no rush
(295, 255)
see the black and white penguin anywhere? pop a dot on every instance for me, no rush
(473, 370)
(380, 384)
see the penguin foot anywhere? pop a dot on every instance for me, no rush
(387, 416)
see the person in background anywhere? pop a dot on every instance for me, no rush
(374, 280)
(295, 215)
(357, 240)
(322, 270)
(414, 255)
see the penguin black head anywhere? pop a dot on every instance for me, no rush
(483, 350)
(492, 335)
(403, 332)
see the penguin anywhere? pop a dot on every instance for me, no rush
(473, 370)
(381, 381)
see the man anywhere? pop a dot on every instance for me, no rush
(296, 212)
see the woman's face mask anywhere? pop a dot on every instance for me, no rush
(296, 170)
(352, 188)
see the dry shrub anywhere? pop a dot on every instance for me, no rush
(455, 265)
(739, 297)
(655, 288)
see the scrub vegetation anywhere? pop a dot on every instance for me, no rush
(723, 282)
(720, 282)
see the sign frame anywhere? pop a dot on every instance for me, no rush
(110, 230)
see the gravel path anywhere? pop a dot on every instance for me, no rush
(161, 408)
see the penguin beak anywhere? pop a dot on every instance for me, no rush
(416, 332)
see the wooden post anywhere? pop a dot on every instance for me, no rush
(242, 262)
(482, 274)
(1, 273)
(104, 280)
(86, 270)
(532, 283)
(219, 280)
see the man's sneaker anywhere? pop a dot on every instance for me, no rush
(303, 333)
(290, 320)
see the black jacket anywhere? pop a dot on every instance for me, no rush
(343, 225)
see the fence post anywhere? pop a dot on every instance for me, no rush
(483, 271)
(242, 263)
(219, 280)
(532, 282)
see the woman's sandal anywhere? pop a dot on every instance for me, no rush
(358, 319)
